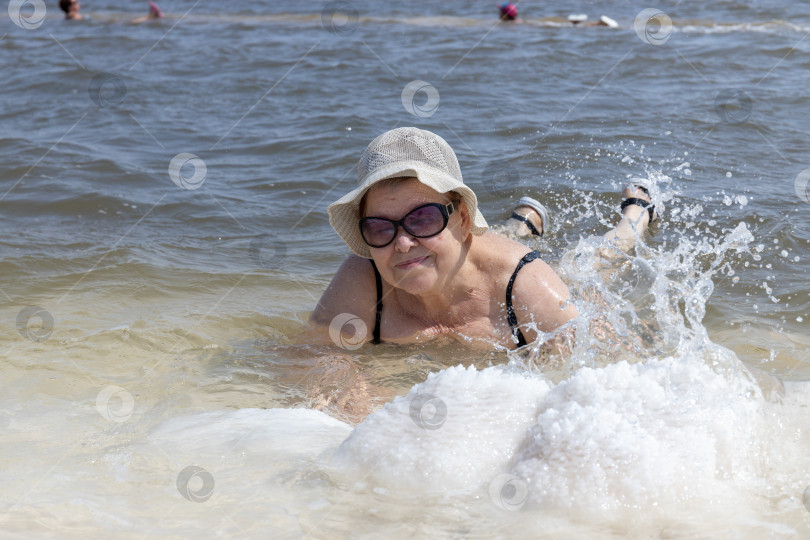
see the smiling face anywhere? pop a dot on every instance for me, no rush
(418, 266)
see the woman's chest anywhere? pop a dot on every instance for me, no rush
(487, 323)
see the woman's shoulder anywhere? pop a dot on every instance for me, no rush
(352, 290)
(505, 254)
(354, 264)
(498, 253)
(538, 292)
(354, 280)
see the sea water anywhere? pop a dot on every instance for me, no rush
(163, 197)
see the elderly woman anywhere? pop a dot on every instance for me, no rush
(424, 263)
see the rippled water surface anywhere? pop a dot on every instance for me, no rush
(163, 194)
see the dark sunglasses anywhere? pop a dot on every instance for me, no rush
(421, 222)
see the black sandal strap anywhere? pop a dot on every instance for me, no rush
(528, 223)
(639, 202)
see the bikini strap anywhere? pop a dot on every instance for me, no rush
(378, 279)
(510, 311)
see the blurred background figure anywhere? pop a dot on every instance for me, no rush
(71, 9)
(154, 13)
(508, 12)
(582, 20)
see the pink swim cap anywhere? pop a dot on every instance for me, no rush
(509, 10)
(154, 9)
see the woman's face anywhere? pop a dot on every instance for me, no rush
(417, 265)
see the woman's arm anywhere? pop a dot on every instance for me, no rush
(541, 297)
(346, 313)
(342, 321)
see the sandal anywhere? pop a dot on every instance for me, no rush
(537, 207)
(641, 202)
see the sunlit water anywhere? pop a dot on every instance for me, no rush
(152, 384)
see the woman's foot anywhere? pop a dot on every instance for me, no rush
(532, 216)
(637, 213)
(635, 200)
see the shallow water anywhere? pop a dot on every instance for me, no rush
(149, 328)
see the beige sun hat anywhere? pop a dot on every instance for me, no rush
(399, 153)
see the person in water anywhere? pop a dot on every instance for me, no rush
(424, 264)
(154, 13)
(582, 20)
(508, 12)
(71, 9)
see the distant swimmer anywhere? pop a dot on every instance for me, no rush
(582, 20)
(71, 9)
(508, 12)
(154, 13)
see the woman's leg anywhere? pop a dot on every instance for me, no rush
(635, 218)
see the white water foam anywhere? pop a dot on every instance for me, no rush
(682, 439)
(481, 421)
